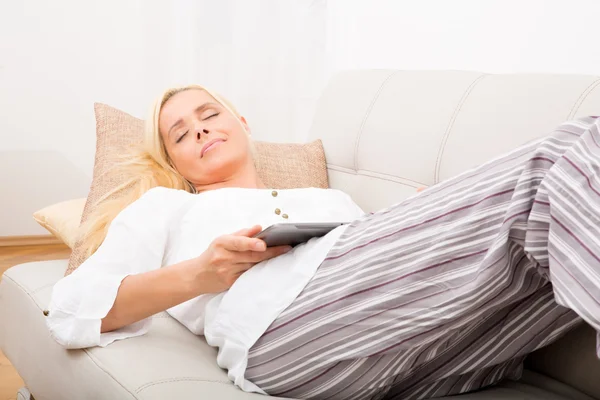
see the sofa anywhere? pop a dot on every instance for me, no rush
(385, 133)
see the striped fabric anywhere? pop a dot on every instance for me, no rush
(448, 291)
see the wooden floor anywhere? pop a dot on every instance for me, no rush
(10, 381)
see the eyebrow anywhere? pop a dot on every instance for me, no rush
(197, 110)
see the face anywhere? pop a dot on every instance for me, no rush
(206, 143)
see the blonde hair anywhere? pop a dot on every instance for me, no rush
(142, 170)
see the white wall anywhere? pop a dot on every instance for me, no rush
(498, 36)
(270, 57)
(56, 60)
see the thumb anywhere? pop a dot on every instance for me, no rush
(249, 232)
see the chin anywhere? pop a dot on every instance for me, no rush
(217, 169)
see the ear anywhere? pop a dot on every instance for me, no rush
(246, 126)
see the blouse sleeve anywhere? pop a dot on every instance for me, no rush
(135, 243)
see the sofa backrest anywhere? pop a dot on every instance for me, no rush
(388, 132)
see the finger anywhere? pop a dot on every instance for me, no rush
(273, 252)
(251, 257)
(243, 244)
(420, 189)
(256, 257)
(249, 232)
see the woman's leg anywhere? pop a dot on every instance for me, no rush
(447, 291)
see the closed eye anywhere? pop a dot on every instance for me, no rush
(181, 137)
(210, 116)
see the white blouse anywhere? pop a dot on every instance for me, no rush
(167, 226)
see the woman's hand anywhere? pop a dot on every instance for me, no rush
(229, 256)
(144, 294)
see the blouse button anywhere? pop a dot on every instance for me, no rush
(284, 216)
(278, 211)
(274, 193)
(46, 312)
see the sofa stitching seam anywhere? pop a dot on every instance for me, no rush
(366, 117)
(30, 294)
(582, 97)
(97, 364)
(457, 110)
(375, 174)
(170, 380)
(42, 288)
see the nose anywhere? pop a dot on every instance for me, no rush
(198, 134)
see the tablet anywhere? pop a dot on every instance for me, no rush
(295, 233)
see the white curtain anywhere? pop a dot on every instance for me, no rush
(266, 56)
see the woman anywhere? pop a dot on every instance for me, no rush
(443, 293)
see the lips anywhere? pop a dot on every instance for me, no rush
(210, 145)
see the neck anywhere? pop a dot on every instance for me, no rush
(246, 177)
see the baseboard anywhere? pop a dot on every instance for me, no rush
(32, 240)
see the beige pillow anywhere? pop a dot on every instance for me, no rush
(281, 166)
(62, 219)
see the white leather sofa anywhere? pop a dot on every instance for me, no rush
(385, 133)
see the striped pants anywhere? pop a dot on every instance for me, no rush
(448, 291)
